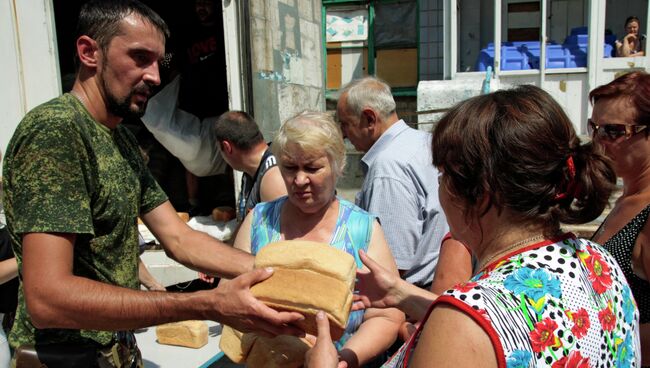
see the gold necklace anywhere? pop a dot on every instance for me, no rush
(510, 248)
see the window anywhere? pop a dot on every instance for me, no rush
(372, 38)
(521, 25)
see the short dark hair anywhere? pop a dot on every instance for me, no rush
(239, 128)
(633, 87)
(513, 146)
(101, 19)
(632, 18)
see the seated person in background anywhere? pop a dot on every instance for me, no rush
(633, 43)
(619, 125)
(242, 146)
(512, 170)
(311, 156)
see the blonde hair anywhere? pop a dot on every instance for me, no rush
(313, 132)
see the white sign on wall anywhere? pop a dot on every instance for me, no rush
(350, 25)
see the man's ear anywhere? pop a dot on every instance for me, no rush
(88, 52)
(226, 147)
(371, 117)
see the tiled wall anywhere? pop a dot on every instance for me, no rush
(431, 39)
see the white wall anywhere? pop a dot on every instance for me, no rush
(28, 66)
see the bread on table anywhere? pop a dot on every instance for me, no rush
(191, 334)
(184, 216)
(223, 213)
(308, 277)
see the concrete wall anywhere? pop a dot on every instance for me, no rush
(287, 66)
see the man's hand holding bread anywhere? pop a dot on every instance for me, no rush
(237, 307)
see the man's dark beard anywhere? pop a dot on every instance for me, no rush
(122, 108)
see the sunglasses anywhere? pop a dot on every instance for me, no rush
(614, 131)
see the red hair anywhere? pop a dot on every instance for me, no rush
(634, 87)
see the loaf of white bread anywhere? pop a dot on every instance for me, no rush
(192, 334)
(308, 277)
(263, 352)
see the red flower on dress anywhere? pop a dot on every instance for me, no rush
(466, 286)
(574, 360)
(607, 318)
(581, 322)
(598, 273)
(543, 335)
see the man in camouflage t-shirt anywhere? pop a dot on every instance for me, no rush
(75, 184)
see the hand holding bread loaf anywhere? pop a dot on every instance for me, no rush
(233, 304)
(308, 277)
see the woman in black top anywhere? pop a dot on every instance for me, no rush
(619, 125)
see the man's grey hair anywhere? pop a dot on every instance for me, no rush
(369, 92)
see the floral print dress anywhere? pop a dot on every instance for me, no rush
(557, 304)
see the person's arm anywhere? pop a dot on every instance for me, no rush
(379, 328)
(450, 339)
(624, 48)
(76, 302)
(379, 288)
(619, 48)
(147, 279)
(243, 239)
(195, 249)
(453, 339)
(454, 266)
(642, 268)
(8, 270)
(272, 186)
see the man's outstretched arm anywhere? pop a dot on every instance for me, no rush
(56, 298)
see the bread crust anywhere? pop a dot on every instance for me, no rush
(308, 277)
(191, 334)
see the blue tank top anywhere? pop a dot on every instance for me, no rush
(352, 232)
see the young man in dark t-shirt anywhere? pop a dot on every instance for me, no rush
(75, 183)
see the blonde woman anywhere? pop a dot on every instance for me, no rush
(311, 155)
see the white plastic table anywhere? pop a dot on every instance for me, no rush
(157, 355)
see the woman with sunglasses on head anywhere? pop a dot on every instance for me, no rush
(513, 169)
(619, 123)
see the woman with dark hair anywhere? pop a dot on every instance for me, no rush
(513, 169)
(619, 124)
(633, 42)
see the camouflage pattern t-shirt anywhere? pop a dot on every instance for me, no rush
(66, 173)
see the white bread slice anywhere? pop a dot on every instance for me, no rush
(191, 334)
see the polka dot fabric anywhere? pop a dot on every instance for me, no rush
(554, 304)
(620, 246)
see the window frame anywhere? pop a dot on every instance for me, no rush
(371, 69)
